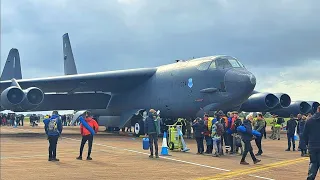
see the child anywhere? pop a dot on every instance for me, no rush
(216, 133)
(238, 143)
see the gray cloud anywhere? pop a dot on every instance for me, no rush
(108, 35)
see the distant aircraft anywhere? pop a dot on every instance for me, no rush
(183, 89)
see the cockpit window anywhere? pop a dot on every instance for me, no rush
(228, 63)
(223, 63)
(204, 66)
(241, 64)
(234, 63)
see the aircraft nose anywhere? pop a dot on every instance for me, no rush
(239, 80)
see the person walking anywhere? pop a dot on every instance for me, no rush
(86, 135)
(260, 127)
(247, 138)
(53, 129)
(152, 130)
(291, 129)
(311, 136)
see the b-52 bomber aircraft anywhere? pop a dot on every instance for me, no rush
(117, 98)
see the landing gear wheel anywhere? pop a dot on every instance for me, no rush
(139, 128)
(171, 146)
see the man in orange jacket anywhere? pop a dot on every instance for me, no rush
(86, 135)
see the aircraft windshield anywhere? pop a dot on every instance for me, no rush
(228, 63)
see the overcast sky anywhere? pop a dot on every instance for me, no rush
(278, 40)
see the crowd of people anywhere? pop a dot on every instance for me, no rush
(11, 119)
(220, 133)
(221, 136)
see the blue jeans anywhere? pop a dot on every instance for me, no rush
(291, 139)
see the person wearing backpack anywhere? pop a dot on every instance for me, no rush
(217, 131)
(86, 135)
(53, 129)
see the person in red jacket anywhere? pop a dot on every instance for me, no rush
(86, 135)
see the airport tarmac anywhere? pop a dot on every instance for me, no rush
(24, 155)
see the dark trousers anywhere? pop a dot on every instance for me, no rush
(153, 139)
(200, 144)
(291, 139)
(314, 165)
(88, 138)
(248, 148)
(53, 140)
(265, 133)
(230, 142)
(258, 143)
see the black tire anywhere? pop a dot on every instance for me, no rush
(139, 128)
(171, 146)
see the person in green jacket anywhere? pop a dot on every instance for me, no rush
(259, 126)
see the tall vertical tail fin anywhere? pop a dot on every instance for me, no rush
(12, 67)
(69, 64)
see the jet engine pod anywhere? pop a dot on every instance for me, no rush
(314, 105)
(295, 108)
(34, 97)
(260, 102)
(284, 100)
(11, 97)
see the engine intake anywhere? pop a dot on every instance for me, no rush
(11, 97)
(314, 105)
(260, 102)
(295, 108)
(34, 97)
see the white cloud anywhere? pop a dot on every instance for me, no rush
(299, 82)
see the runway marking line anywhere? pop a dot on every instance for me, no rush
(259, 168)
(138, 152)
(228, 173)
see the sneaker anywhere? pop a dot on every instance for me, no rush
(79, 158)
(258, 154)
(256, 161)
(89, 158)
(55, 159)
(151, 156)
(50, 159)
(294, 150)
(287, 149)
(157, 156)
(278, 139)
(244, 163)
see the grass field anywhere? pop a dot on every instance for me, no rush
(269, 120)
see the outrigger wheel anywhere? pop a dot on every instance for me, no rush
(139, 128)
(171, 145)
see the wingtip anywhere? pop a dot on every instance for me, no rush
(65, 35)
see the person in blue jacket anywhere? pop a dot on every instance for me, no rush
(53, 129)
